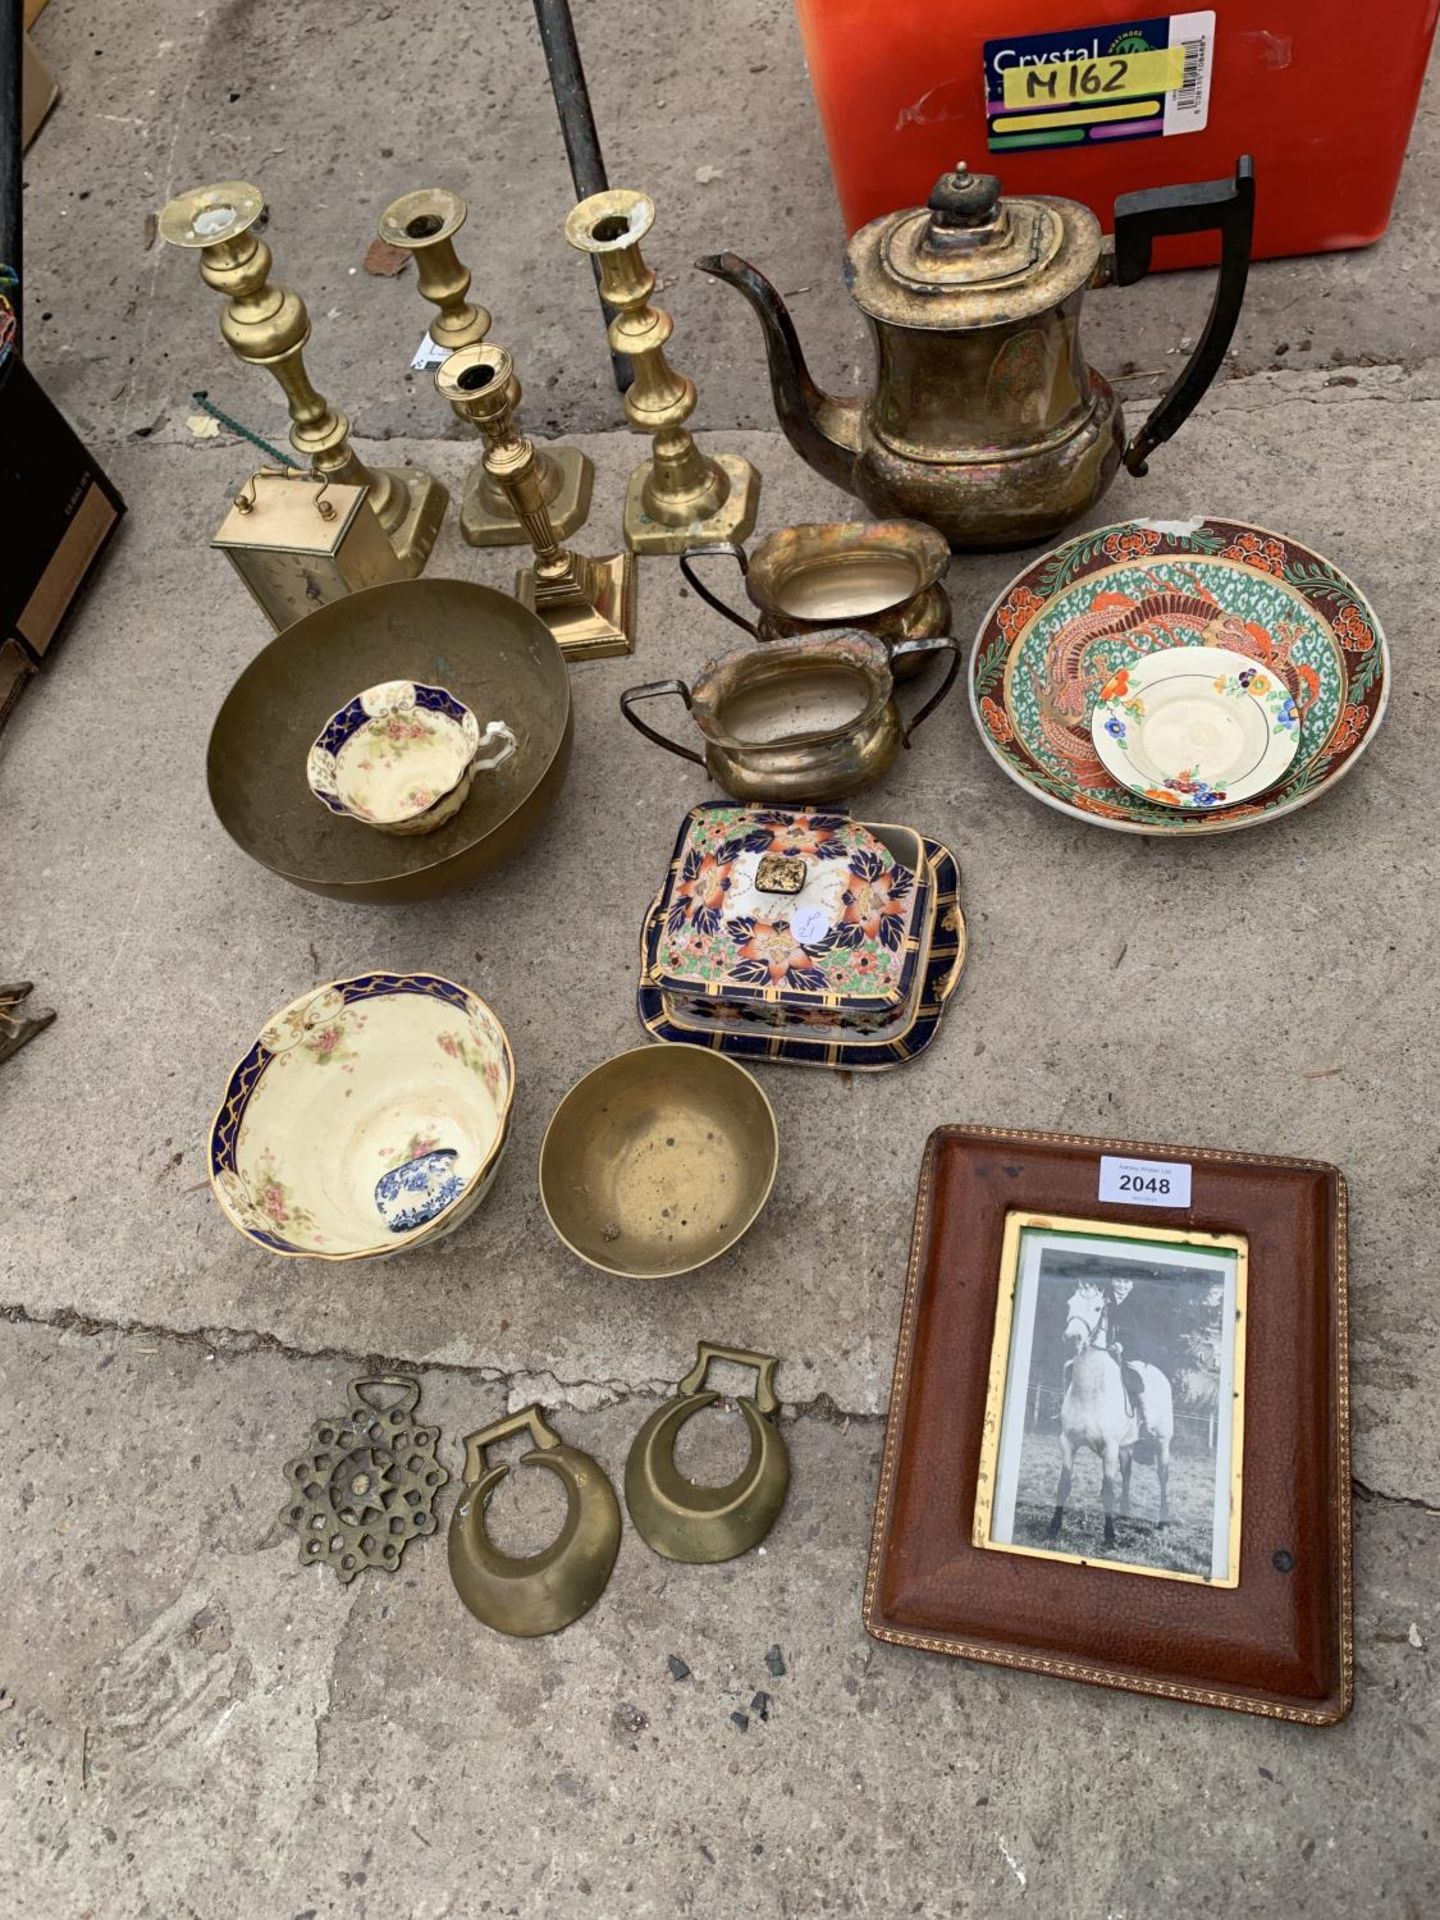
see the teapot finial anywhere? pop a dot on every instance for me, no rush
(964, 199)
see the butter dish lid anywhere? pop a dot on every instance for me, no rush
(790, 906)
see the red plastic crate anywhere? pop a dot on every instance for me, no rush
(1322, 94)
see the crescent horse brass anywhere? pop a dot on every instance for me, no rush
(702, 1525)
(542, 1592)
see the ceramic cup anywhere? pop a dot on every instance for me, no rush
(401, 756)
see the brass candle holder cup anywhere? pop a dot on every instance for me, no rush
(679, 497)
(267, 325)
(587, 603)
(425, 223)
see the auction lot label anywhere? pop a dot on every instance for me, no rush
(1131, 80)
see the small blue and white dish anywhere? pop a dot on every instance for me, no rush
(409, 1196)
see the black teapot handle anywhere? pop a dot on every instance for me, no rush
(651, 691)
(732, 552)
(1227, 206)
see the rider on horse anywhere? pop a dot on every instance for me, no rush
(1123, 1338)
(1120, 1335)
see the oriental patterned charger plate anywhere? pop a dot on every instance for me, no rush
(855, 1052)
(1195, 727)
(1099, 605)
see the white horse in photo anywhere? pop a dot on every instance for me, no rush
(1095, 1412)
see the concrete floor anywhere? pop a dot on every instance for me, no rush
(192, 1725)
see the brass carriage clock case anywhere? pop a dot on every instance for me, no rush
(298, 541)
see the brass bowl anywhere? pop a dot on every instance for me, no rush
(658, 1161)
(492, 653)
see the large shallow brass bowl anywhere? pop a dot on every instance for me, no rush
(658, 1161)
(482, 646)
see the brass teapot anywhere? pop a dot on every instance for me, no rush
(985, 420)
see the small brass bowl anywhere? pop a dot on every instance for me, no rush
(658, 1161)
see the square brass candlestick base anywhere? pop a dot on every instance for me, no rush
(426, 501)
(488, 520)
(734, 519)
(588, 629)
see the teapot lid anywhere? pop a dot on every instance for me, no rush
(971, 258)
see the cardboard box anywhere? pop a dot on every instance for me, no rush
(57, 510)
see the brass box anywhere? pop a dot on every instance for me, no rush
(299, 544)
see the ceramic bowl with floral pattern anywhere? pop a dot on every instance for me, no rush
(401, 756)
(370, 1115)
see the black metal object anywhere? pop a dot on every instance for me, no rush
(577, 125)
(12, 61)
(1227, 206)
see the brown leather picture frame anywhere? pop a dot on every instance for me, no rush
(1280, 1641)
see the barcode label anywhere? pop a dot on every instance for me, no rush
(1188, 108)
(1189, 88)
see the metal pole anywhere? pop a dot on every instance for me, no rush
(577, 125)
(11, 163)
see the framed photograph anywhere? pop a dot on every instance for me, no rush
(1117, 1448)
(1115, 1415)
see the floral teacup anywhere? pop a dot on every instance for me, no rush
(401, 756)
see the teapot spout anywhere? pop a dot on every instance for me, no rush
(823, 430)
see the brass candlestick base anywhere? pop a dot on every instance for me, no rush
(592, 614)
(588, 604)
(267, 325)
(680, 497)
(424, 223)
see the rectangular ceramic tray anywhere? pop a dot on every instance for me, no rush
(785, 911)
(804, 1043)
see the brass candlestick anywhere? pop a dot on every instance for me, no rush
(588, 604)
(680, 497)
(268, 326)
(425, 223)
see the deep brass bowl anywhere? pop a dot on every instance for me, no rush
(490, 652)
(658, 1161)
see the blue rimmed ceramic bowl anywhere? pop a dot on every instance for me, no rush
(369, 1116)
(401, 756)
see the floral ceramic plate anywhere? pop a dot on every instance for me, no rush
(401, 756)
(1195, 727)
(1105, 601)
(369, 1115)
(749, 1040)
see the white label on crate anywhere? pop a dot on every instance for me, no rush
(1145, 1183)
(1188, 108)
(1084, 86)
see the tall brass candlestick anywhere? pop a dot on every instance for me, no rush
(268, 326)
(679, 497)
(425, 223)
(587, 603)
